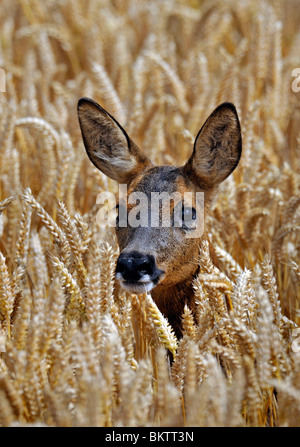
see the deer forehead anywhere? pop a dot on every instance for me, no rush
(162, 179)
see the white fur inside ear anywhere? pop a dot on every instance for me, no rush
(117, 160)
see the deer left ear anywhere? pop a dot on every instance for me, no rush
(107, 144)
(217, 148)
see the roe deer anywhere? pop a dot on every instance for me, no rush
(160, 259)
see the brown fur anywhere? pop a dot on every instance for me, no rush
(217, 150)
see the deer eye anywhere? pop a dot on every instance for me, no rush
(184, 217)
(117, 216)
(188, 214)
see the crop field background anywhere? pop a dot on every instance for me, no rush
(75, 351)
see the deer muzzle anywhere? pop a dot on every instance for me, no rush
(137, 272)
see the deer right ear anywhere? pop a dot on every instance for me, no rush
(107, 144)
(217, 148)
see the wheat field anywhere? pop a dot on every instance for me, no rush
(75, 351)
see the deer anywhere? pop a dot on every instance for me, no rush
(162, 260)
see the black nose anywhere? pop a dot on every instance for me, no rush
(133, 266)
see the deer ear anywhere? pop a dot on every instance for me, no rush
(217, 148)
(107, 144)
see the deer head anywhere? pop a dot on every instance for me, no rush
(155, 257)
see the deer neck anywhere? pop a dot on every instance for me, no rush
(171, 301)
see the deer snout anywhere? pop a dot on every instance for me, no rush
(137, 272)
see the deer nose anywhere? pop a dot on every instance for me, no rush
(134, 266)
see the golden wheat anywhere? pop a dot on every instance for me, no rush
(77, 351)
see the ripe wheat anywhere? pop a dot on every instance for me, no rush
(76, 350)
